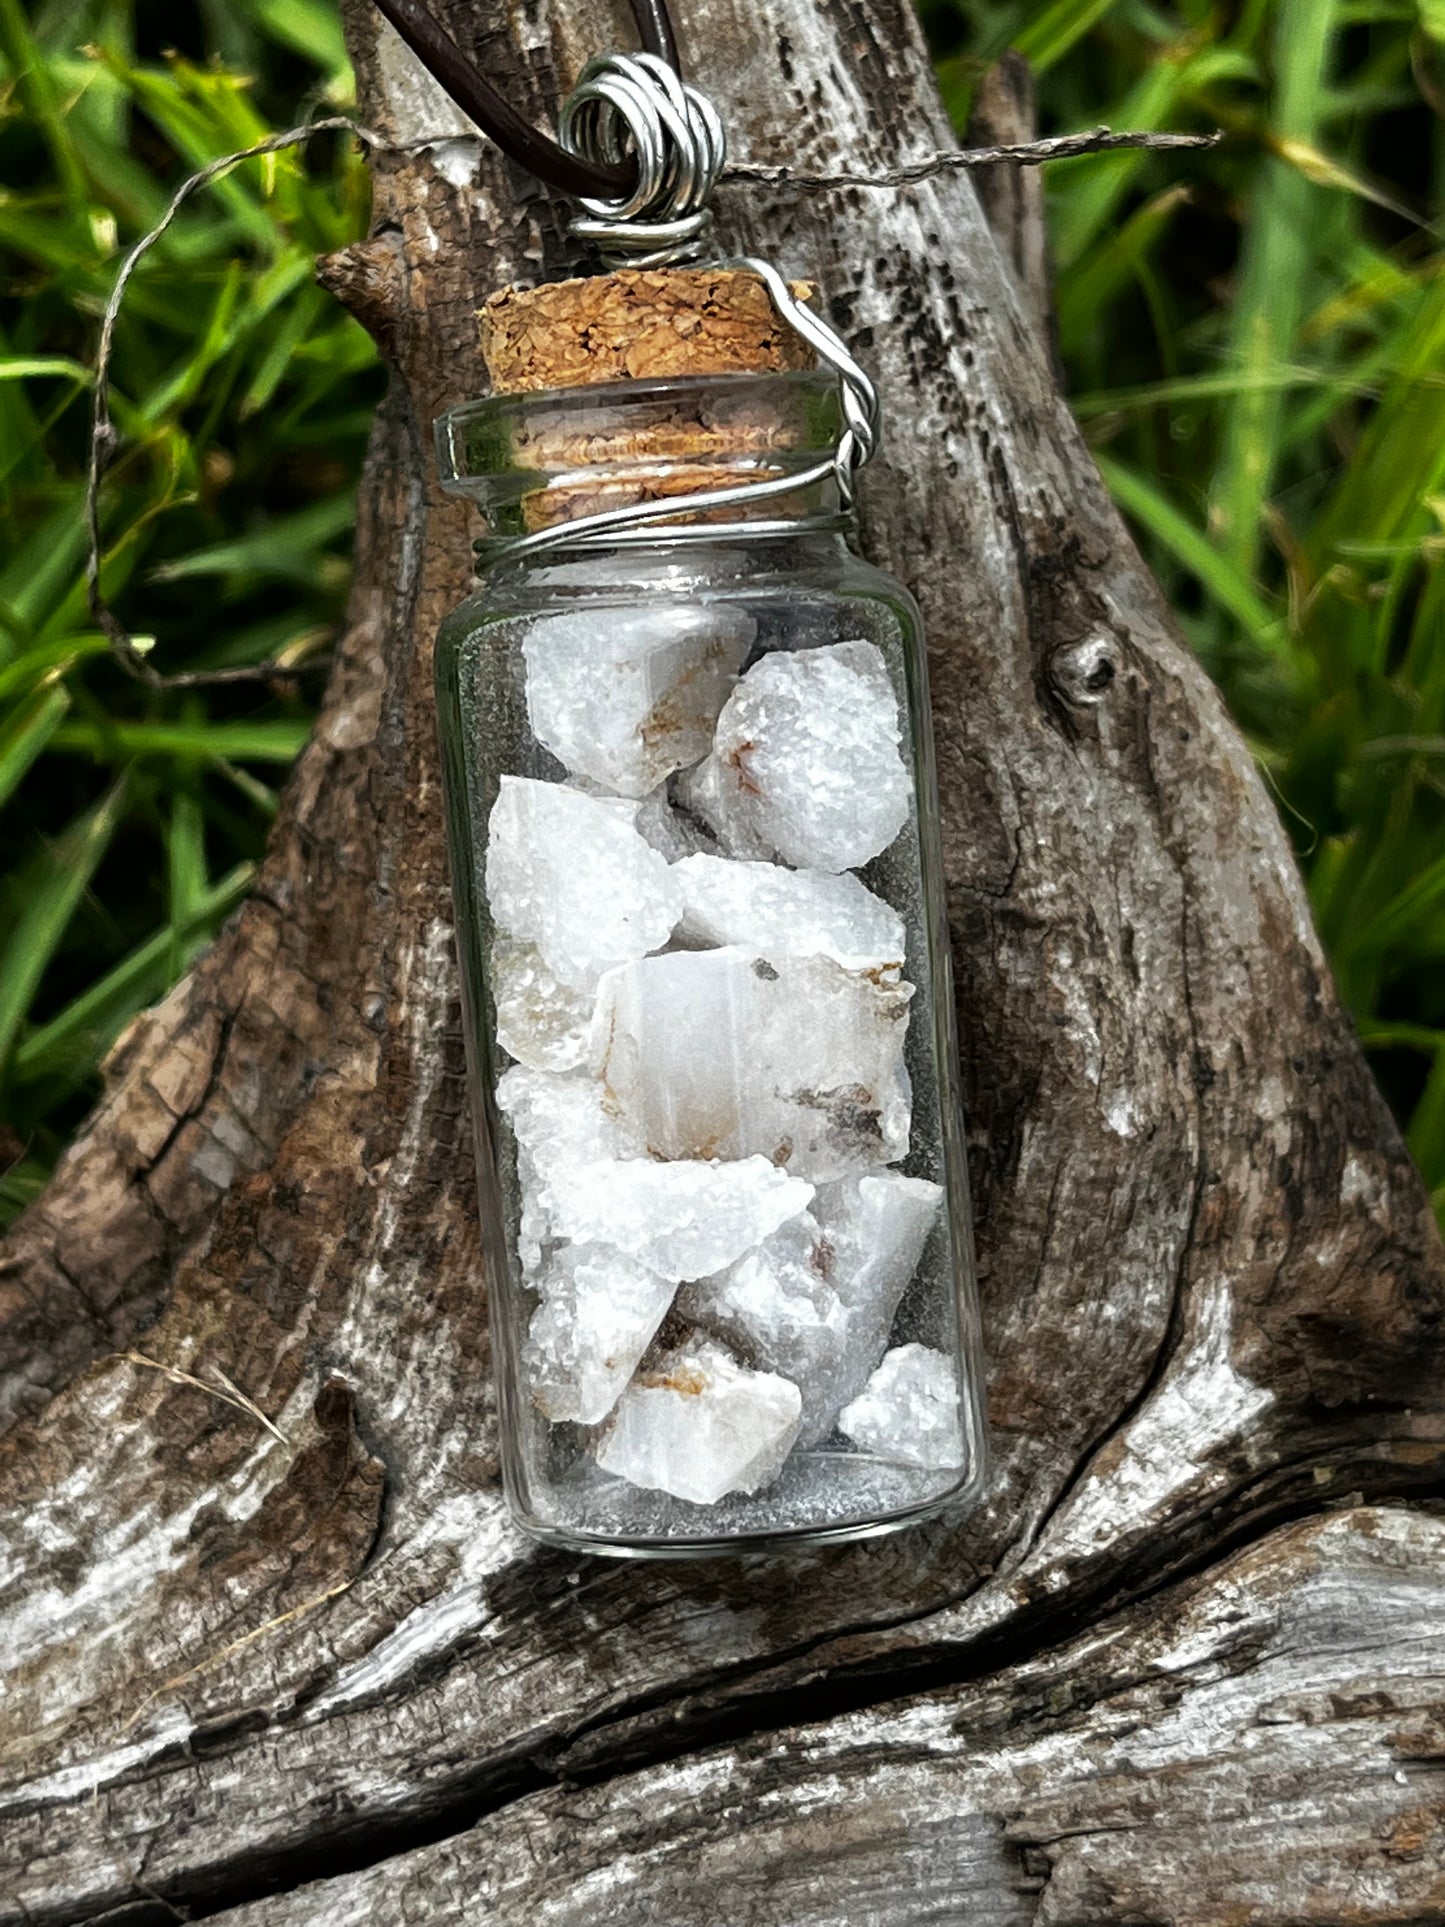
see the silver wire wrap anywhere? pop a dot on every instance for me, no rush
(634, 106)
(628, 104)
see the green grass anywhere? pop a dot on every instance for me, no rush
(133, 818)
(1255, 344)
(1254, 340)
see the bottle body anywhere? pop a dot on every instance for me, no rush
(696, 871)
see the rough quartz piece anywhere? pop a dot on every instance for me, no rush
(599, 1313)
(791, 913)
(776, 1304)
(877, 1227)
(541, 1021)
(570, 874)
(725, 1053)
(817, 1299)
(700, 1425)
(561, 1122)
(626, 696)
(561, 1126)
(683, 1220)
(671, 830)
(709, 792)
(806, 763)
(908, 1411)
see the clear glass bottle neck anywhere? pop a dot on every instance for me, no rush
(535, 463)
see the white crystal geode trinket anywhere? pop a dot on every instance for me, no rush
(709, 1015)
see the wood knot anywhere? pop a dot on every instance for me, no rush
(369, 278)
(1083, 672)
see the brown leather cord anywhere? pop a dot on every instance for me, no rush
(477, 98)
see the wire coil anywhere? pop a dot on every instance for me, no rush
(633, 109)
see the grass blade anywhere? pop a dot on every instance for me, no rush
(1146, 504)
(1272, 282)
(187, 878)
(73, 1042)
(265, 742)
(25, 733)
(56, 883)
(1426, 1135)
(1055, 29)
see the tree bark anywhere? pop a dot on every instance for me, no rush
(285, 1658)
(1004, 112)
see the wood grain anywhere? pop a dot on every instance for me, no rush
(1268, 1746)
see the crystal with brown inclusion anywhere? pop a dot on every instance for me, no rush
(729, 1054)
(699, 1425)
(806, 764)
(625, 697)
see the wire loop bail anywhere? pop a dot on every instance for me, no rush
(634, 108)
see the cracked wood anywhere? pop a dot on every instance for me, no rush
(1267, 1747)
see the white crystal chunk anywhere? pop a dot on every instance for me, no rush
(788, 913)
(817, 1299)
(699, 1425)
(877, 1227)
(540, 1020)
(908, 1411)
(683, 1220)
(561, 1122)
(570, 874)
(626, 696)
(672, 831)
(779, 1308)
(710, 792)
(724, 1053)
(598, 1315)
(806, 763)
(561, 1126)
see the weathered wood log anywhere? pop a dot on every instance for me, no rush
(1270, 1732)
(244, 1653)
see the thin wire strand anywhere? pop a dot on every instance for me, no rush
(103, 439)
(633, 523)
(1057, 147)
(102, 429)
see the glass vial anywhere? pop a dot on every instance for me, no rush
(696, 871)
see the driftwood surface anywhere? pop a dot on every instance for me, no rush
(271, 1648)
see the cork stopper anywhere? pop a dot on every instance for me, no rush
(641, 324)
(635, 325)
